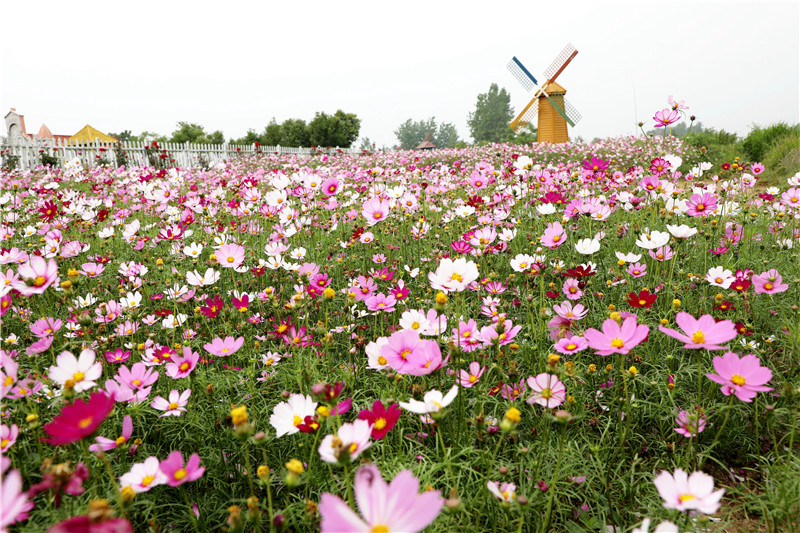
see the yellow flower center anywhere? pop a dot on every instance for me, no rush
(86, 422)
(135, 382)
(380, 528)
(147, 480)
(39, 281)
(121, 440)
(4, 443)
(571, 346)
(473, 379)
(297, 420)
(547, 394)
(8, 381)
(687, 497)
(382, 360)
(557, 238)
(184, 367)
(404, 354)
(617, 343)
(768, 286)
(380, 423)
(456, 277)
(415, 325)
(698, 337)
(736, 379)
(77, 376)
(173, 405)
(180, 474)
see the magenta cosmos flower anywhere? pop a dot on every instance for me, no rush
(35, 276)
(179, 473)
(769, 282)
(79, 420)
(743, 376)
(548, 391)
(615, 338)
(703, 332)
(224, 348)
(375, 210)
(688, 492)
(665, 117)
(397, 506)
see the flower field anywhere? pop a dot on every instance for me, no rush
(500, 338)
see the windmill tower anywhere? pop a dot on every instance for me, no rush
(553, 110)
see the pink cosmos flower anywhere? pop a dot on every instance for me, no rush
(381, 302)
(467, 335)
(769, 282)
(118, 356)
(79, 419)
(513, 391)
(687, 492)
(177, 473)
(224, 348)
(45, 327)
(8, 436)
(40, 346)
(489, 334)
(331, 186)
(35, 276)
(176, 404)
(453, 276)
(571, 344)
(468, 379)
(690, 424)
(699, 205)
(407, 353)
(181, 366)
(637, 270)
(374, 210)
(554, 236)
(349, 442)
(548, 390)
(138, 380)
(230, 256)
(571, 289)
(92, 270)
(105, 444)
(570, 312)
(505, 492)
(662, 253)
(743, 376)
(15, 500)
(665, 117)
(385, 507)
(615, 338)
(703, 332)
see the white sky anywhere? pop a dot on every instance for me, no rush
(234, 65)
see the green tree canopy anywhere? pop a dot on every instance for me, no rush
(489, 122)
(294, 132)
(410, 133)
(340, 129)
(195, 134)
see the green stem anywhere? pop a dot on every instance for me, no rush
(191, 511)
(552, 489)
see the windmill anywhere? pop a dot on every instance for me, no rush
(553, 110)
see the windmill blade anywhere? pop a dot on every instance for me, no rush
(573, 116)
(560, 63)
(522, 74)
(527, 116)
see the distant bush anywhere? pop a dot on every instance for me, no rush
(783, 157)
(717, 146)
(759, 141)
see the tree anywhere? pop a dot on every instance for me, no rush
(149, 137)
(195, 134)
(340, 130)
(251, 138)
(294, 132)
(125, 136)
(410, 133)
(272, 134)
(489, 122)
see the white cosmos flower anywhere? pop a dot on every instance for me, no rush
(81, 371)
(414, 319)
(681, 232)
(193, 250)
(650, 240)
(289, 414)
(720, 277)
(629, 257)
(587, 246)
(546, 209)
(351, 438)
(105, 233)
(453, 276)
(210, 277)
(433, 402)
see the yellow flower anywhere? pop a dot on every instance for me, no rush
(295, 467)
(239, 415)
(514, 415)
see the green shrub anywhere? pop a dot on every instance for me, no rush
(760, 140)
(782, 160)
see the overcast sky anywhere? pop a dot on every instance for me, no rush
(232, 66)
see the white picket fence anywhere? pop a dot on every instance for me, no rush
(91, 154)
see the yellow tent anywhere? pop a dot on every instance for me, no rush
(88, 134)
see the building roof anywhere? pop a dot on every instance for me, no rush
(426, 143)
(88, 134)
(44, 133)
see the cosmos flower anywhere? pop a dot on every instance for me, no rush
(688, 492)
(105, 444)
(177, 473)
(79, 420)
(769, 282)
(469, 378)
(224, 348)
(286, 416)
(384, 507)
(350, 441)
(35, 276)
(548, 391)
(616, 338)
(433, 402)
(175, 406)
(703, 332)
(144, 476)
(743, 376)
(665, 117)
(453, 276)
(78, 372)
(381, 418)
